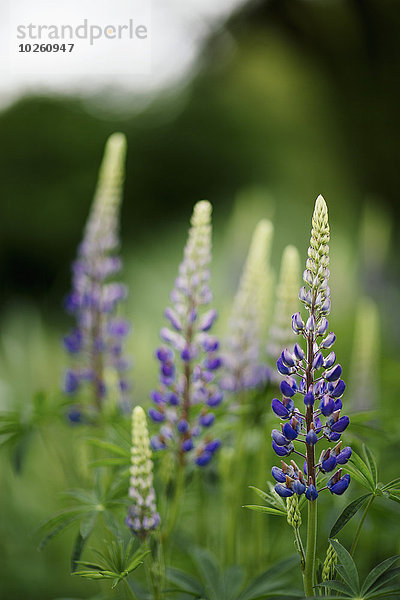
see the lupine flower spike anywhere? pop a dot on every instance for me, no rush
(364, 381)
(189, 358)
(281, 334)
(245, 365)
(96, 342)
(313, 374)
(142, 513)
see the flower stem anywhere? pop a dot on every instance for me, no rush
(299, 546)
(308, 574)
(361, 523)
(130, 592)
(176, 502)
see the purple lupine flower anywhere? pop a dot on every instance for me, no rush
(188, 390)
(142, 512)
(96, 343)
(315, 376)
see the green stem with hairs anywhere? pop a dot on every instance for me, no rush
(309, 570)
(361, 523)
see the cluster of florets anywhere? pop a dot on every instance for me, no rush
(142, 513)
(318, 381)
(189, 359)
(280, 334)
(96, 342)
(244, 361)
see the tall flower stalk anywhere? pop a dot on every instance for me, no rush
(189, 359)
(142, 514)
(95, 344)
(301, 369)
(244, 361)
(281, 334)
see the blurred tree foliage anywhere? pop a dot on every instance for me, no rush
(298, 96)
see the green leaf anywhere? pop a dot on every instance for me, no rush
(350, 574)
(77, 550)
(385, 593)
(265, 509)
(347, 514)
(57, 524)
(395, 484)
(87, 524)
(337, 586)
(108, 462)
(377, 572)
(357, 467)
(233, 582)
(386, 578)
(185, 583)
(114, 448)
(207, 567)
(371, 463)
(137, 559)
(394, 497)
(268, 583)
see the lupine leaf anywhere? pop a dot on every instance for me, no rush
(347, 514)
(349, 568)
(186, 583)
(337, 586)
(395, 484)
(108, 462)
(357, 463)
(111, 447)
(269, 581)
(385, 593)
(377, 572)
(265, 509)
(209, 572)
(87, 523)
(57, 524)
(233, 582)
(137, 559)
(77, 550)
(385, 579)
(395, 498)
(371, 463)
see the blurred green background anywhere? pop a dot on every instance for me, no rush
(288, 99)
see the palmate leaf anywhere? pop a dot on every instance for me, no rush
(349, 570)
(371, 463)
(233, 579)
(265, 509)
(388, 592)
(337, 586)
(347, 514)
(209, 572)
(271, 582)
(56, 524)
(111, 447)
(185, 583)
(115, 563)
(377, 572)
(392, 485)
(361, 472)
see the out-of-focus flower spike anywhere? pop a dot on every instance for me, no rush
(244, 358)
(96, 343)
(364, 372)
(281, 334)
(142, 513)
(189, 361)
